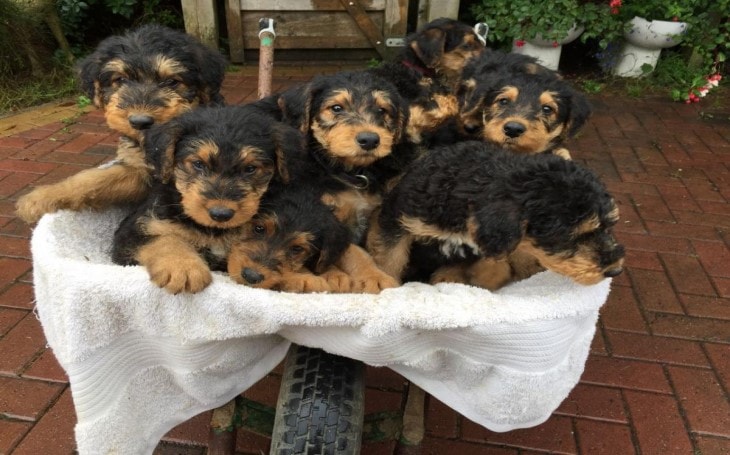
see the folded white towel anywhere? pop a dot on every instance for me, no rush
(140, 360)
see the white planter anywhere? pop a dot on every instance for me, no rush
(644, 43)
(545, 51)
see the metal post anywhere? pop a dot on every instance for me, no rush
(266, 55)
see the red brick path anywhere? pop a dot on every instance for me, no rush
(658, 377)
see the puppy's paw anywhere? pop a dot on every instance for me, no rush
(180, 274)
(32, 206)
(304, 283)
(338, 280)
(374, 282)
(563, 153)
(449, 274)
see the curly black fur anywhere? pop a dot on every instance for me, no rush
(484, 200)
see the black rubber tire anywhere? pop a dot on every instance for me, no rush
(320, 408)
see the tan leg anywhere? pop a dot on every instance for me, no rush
(489, 273)
(364, 273)
(303, 283)
(523, 265)
(96, 188)
(392, 259)
(454, 273)
(338, 280)
(563, 153)
(174, 265)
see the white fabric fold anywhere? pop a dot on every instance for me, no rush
(141, 361)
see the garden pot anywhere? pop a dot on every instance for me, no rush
(644, 43)
(547, 52)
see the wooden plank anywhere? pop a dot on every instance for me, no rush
(235, 30)
(306, 5)
(201, 21)
(396, 18)
(309, 30)
(373, 33)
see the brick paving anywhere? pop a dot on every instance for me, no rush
(657, 380)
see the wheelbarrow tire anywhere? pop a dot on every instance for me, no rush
(321, 405)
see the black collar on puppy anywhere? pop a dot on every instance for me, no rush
(354, 178)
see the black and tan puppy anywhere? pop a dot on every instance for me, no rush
(510, 100)
(213, 166)
(296, 244)
(474, 200)
(355, 127)
(427, 71)
(147, 76)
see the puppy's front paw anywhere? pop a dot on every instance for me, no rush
(449, 274)
(374, 282)
(303, 283)
(178, 275)
(338, 280)
(32, 206)
(563, 153)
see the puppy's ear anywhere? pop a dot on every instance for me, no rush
(296, 105)
(159, 145)
(288, 144)
(580, 110)
(402, 115)
(212, 67)
(88, 71)
(499, 227)
(429, 46)
(335, 240)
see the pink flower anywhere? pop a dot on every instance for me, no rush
(614, 5)
(520, 43)
(555, 44)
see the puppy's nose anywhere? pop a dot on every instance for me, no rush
(251, 276)
(220, 213)
(610, 273)
(471, 128)
(367, 140)
(141, 121)
(513, 129)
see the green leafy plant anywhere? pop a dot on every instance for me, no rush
(519, 20)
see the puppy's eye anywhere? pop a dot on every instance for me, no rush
(296, 249)
(383, 111)
(198, 165)
(259, 229)
(169, 83)
(337, 108)
(250, 169)
(547, 110)
(503, 101)
(119, 80)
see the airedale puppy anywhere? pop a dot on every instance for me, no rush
(510, 100)
(475, 200)
(296, 244)
(147, 76)
(427, 72)
(355, 126)
(213, 166)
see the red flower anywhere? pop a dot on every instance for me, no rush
(520, 43)
(675, 19)
(555, 44)
(615, 5)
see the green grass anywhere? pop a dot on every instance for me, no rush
(18, 93)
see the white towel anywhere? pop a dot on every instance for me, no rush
(141, 361)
